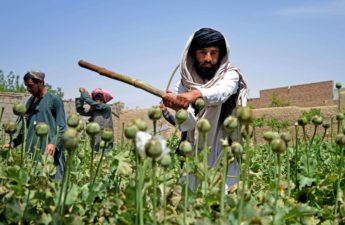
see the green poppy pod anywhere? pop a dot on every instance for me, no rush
(93, 129)
(155, 113)
(278, 145)
(185, 147)
(245, 115)
(73, 120)
(130, 131)
(181, 116)
(268, 136)
(19, 109)
(302, 121)
(199, 104)
(203, 125)
(338, 85)
(276, 135)
(340, 139)
(41, 129)
(141, 124)
(81, 126)
(286, 136)
(317, 120)
(236, 149)
(10, 128)
(153, 148)
(230, 123)
(326, 125)
(70, 139)
(107, 134)
(340, 116)
(166, 160)
(102, 144)
(81, 155)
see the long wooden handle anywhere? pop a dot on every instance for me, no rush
(126, 79)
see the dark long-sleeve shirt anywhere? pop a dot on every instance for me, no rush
(99, 112)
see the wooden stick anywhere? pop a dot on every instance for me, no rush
(126, 79)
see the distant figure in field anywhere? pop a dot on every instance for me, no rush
(99, 111)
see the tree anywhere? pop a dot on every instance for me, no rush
(276, 101)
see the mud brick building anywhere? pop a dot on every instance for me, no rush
(303, 95)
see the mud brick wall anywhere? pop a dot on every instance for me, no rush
(304, 95)
(125, 116)
(7, 100)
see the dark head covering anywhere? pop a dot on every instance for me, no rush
(207, 37)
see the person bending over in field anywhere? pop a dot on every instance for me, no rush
(99, 111)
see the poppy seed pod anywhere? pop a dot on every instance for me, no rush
(93, 129)
(107, 134)
(203, 125)
(245, 115)
(102, 144)
(316, 120)
(278, 145)
(185, 147)
(326, 125)
(130, 131)
(10, 127)
(153, 148)
(70, 139)
(340, 139)
(236, 149)
(80, 126)
(302, 121)
(286, 136)
(19, 109)
(230, 123)
(268, 136)
(199, 104)
(338, 85)
(166, 160)
(141, 124)
(340, 117)
(41, 129)
(73, 120)
(181, 116)
(155, 113)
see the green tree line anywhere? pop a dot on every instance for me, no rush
(14, 83)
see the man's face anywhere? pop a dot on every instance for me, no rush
(33, 88)
(207, 61)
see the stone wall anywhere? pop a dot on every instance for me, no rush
(304, 95)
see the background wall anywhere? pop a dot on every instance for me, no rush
(301, 98)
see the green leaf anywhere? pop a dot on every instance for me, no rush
(301, 210)
(72, 195)
(305, 181)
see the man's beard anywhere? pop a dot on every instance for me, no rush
(205, 73)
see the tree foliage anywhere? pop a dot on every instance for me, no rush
(277, 101)
(13, 83)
